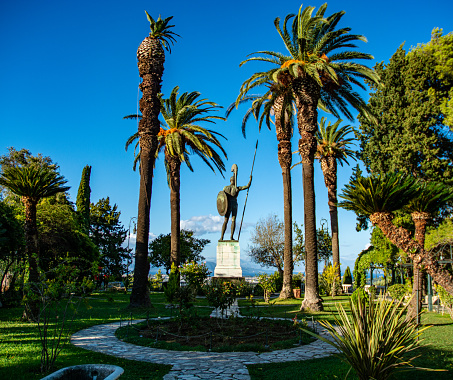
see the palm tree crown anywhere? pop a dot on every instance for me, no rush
(378, 193)
(431, 198)
(161, 31)
(318, 51)
(33, 181)
(183, 135)
(333, 141)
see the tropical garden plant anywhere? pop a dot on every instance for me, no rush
(375, 339)
(320, 70)
(378, 197)
(333, 147)
(431, 199)
(32, 183)
(151, 58)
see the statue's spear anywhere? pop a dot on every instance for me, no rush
(245, 203)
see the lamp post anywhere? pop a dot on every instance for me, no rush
(129, 260)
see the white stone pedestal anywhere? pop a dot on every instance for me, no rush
(228, 259)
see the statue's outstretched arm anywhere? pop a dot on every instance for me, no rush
(247, 186)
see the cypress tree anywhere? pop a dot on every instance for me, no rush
(83, 198)
(347, 277)
(410, 136)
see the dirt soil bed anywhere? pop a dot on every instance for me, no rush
(233, 334)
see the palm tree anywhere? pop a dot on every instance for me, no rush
(32, 183)
(332, 148)
(277, 101)
(321, 73)
(431, 198)
(182, 137)
(151, 58)
(378, 197)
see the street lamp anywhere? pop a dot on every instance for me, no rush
(129, 260)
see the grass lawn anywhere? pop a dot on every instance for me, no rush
(20, 346)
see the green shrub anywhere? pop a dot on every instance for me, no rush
(268, 283)
(195, 275)
(376, 339)
(360, 293)
(220, 294)
(173, 284)
(397, 291)
(446, 298)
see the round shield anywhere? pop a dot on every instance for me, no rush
(222, 203)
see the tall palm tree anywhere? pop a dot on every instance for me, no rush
(332, 148)
(321, 72)
(182, 137)
(277, 101)
(151, 58)
(378, 197)
(32, 183)
(431, 198)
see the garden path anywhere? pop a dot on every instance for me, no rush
(194, 365)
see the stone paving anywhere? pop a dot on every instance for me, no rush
(194, 365)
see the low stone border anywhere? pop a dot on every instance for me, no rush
(191, 365)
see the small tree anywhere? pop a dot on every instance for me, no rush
(195, 275)
(190, 249)
(268, 284)
(268, 243)
(220, 294)
(331, 277)
(347, 277)
(108, 234)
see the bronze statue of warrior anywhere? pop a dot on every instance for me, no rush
(227, 203)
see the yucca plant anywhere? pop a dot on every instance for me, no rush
(375, 339)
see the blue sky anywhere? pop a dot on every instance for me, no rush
(68, 76)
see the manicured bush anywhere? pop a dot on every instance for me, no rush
(397, 291)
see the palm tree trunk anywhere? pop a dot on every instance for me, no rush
(151, 59)
(284, 133)
(175, 186)
(402, 239)
(329, 169)
(420, 220)
(31, 312)
(285, 157)
(306, 93)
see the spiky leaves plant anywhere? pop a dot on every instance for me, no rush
(377, 197)
(182, 137)
(151, 58)
(32, 183)
(276, 101)
(375, 339)
(430, 199)
(333, 147)
(322, 72)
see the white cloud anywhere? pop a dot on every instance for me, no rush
(133, 239)
(203, 224)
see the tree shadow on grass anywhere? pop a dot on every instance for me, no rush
(333, 367)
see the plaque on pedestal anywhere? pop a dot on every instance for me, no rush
(228, 259)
